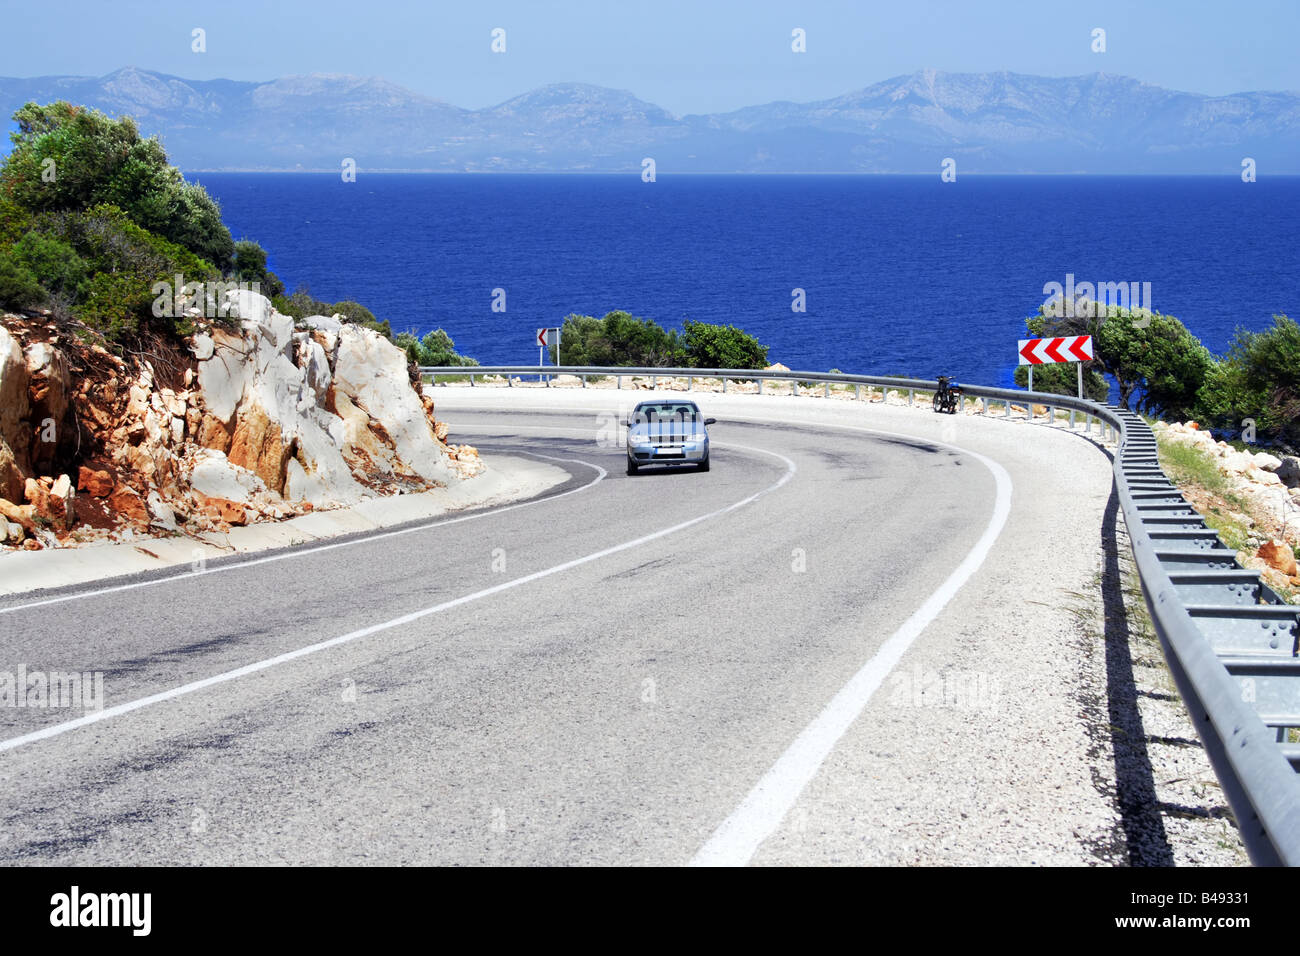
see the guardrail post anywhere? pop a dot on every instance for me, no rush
(654, 382)
(911, 397)
(1072, 419)
(857, 393)
(690, 382)
(724, 386)
(471, 379)
(984, 406)
(510, 382)
(760, 386)
(619, 379)
(584, 379)
(826, 390)
(1007, 403)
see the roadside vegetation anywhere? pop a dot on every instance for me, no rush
(1240, 521)
(622, 339)
(93, 218)
(1160, 366)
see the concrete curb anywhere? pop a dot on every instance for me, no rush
(506, 479)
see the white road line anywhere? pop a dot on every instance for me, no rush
(120, 709)
(316, 549)
(738, 838)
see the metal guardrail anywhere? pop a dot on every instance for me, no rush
(1229, 639)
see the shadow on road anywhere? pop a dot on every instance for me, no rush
(1145, 839)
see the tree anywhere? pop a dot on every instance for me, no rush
(1156, 354)
(1147, 353)
(722, 346)
(1257, 381)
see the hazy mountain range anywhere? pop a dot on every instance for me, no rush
(987, 122)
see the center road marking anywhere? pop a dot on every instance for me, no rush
(142, 702)
(738, 837)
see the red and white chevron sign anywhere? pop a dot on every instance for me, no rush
(1070, 348)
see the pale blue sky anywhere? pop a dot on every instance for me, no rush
(688, 57)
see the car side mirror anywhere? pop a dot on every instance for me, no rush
(710, 421)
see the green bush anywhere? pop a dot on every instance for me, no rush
(436, 348)
(19, 288)
(721, 346)
(117, 305)
(618, 339)
(250, 266)
(301, 304)
(1259, 379)
(54, 263)
(69, 158)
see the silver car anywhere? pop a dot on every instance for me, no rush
(667, 433)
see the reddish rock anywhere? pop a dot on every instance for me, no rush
(97, 484)
(214, 433)
(223, 509)
(441, 430)
(129, 505)
(1279, 556)
(258, 445)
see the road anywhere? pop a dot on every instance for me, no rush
(669, 668)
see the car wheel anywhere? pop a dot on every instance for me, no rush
(704, 465)
(631, 467)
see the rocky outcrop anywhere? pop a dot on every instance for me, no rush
(1266, 485)
(253, 420)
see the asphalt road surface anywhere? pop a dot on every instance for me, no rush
(658, 669)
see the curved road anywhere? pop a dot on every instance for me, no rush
(664, 668)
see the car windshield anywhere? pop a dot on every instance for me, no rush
(668, 412)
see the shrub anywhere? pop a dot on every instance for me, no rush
(250, 266)
(19, 288)
(301, 304)
(722, 346)
(437, 348)
(69, 158)
(1258, 379)
(117, 304)
(619, 339)
(54, 263)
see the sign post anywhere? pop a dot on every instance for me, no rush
(547, 337)
(1069, 348)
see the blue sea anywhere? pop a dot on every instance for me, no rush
(902, 275)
